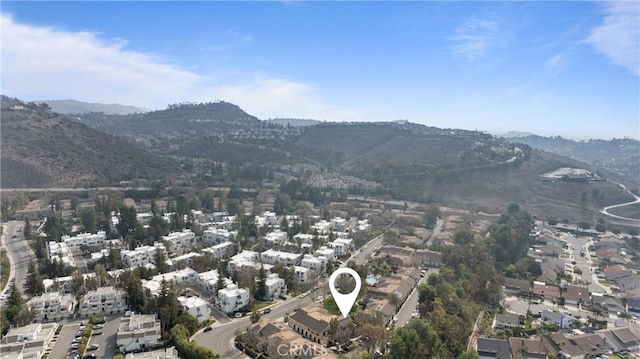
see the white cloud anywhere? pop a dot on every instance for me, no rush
(618, 37)
(475, 36)
(556, 64)
(47, 63)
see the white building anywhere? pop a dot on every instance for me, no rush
(102, 301)
(142, 255)
(277, 236)
(275, 286)
(185, 259)
(181, 276)
(195, 306)
(217, 235)
(303, 238)
(60, 252)
(244, 259)
(209, 280)
(329, 253)
(317, 264)
(267, 218)
(339, 224)
(138, 332)
(85, 239)
(342, 246)
(562, 320)
(271, 256)
(28, 342)
(53, 306)
(232, 298)
(322, 227)
(180, 242)
(363, 225)
(164, 353)
(220, 250)
(302, 275)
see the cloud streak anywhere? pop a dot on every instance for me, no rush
(48, 63)
(475, 36)
(618, 37)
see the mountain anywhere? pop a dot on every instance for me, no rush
(468, 169)
(618, 155)
(43, 148)
(77, 107)
(296, 122)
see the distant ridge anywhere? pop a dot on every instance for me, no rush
(78, 107)
(295, 122)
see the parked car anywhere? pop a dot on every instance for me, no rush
(93, 347)
(207, 329)
(98, 326)
(91, 356)
(238, 315)
(75, 345)
(267, 311)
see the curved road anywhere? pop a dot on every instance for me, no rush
(19, 252)
(605, 210)
(220, 338)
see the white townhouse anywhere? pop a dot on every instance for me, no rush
(317, 264)
(303, 238)
(209, 280)
(339, 224)
(244, 259)
(53, 306)
(266, 219)
(271, 256)
(329, 253)
(322, 227)
(232, 298)
(84, 239)
(275, 286)
(195, 306)
(60, 252)
(220, 250)
(277, 237)
(182, 276)
(30, 341)
(342, 246)
(217, 235)
(102, 301)
(179, 242)
(142, 255)
(186, 259)
(138, 332)
(302, 275)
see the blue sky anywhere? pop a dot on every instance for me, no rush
(551, 68)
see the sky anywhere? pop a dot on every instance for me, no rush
(568, 68)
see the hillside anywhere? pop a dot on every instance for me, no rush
(74, 107)
(618, 155)
(43, 148)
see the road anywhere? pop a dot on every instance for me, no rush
(220, 338)
(605, 210)
(583, 263)
(18, 250)
(404, 314)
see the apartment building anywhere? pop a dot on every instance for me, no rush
(277, 237)
(217, 235)
(195, 306)
(53, 306)
(104, 300)
(186, 275)
(327, 252)
(84, 239)
(275, 286)
(30, 341)
(220, 250)
(142, 255)
(138, 332)
(60, 252)
(209, 280)
(317, 264)
(271, 256)
(232, 298)
(180, 242)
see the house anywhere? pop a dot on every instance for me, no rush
(138, 332)
(627, 283)
(142, 255)
(289, 344)
(313, 323)
(220, 250)
(611, 273)
(516, 286)
(271, 256)
(489, 348)
(180, 242)
(212, 236)
(613, 305)
(546, 291)
(509, 320)
(84, 239)
(186, 275)
(231, 298)
(317, 264)
(302, 275)
(324, 251)
(527, 348)
(277, 237)
(562, 320)
(621, 339)
(164, 353)
(184, 260)
(53, 306)
(30, 341)
(209, 280)
(195, 306)
(103, 300)
(243, 260)
(575, 295)
(591, 344)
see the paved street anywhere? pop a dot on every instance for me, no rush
(18, 250)
(584, 263)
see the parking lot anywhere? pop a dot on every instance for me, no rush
(106, 340)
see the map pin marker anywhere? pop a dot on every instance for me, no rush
(344, 301)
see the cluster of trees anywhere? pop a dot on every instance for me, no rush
(15, 312)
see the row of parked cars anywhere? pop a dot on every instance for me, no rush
(75, 343)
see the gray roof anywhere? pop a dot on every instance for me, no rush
(494, 348)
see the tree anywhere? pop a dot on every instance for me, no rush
(469, 354)
(160, 261)
(89, 220)
(54, 226)
(415, 340)
(463, 237)
(15, 297)
(262, 289)
(77, 284)
(33, 283)
(127, 221)
(167, 304)
(220, 283)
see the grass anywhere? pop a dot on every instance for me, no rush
(331, 306)
(5, 268)
(259, 305)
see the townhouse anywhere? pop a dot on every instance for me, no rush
(53, 306)
(180, 242)
(142, 255)
(104, 300)
(231, 298)
(138, 332)
(195, 306)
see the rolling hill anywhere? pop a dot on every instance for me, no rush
(43, 148)
(68, 107)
